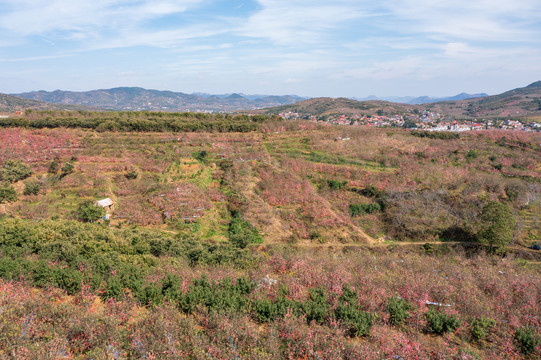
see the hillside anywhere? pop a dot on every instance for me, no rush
(134, 98)
(10, 104)
(331, 106)
(288, 240)
(520, 102)
(417, 100)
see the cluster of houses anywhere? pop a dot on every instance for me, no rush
(425, 120)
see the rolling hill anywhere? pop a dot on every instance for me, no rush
(330, 106)
(517, 103)
(135, 98)
(520, 102)
(10, 103)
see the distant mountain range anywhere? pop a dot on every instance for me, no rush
(10, 103)
(423, 99)
(135, 98)
(521, 102)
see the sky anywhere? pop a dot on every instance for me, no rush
(349, 48)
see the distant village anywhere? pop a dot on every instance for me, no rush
(422, 120)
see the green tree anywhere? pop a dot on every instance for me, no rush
(497, 224)
(89, 212)
(53, 166)
(7, 194)
(241, 233)
(67, 168)
(14, 170)
(32, 188)
(409, 124)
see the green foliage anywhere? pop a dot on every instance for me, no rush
(479, 328)
(361, 209)
(88, 212)
(53, 166)
(126, 277)
(497, 225)
(216, 296)
(472, 154)
(442, 135)
(398, 310)
(170, 287)
(267, 310)
(439, 322)
(69, 280)
(140, 121)
(527, 340)
(371, 191)
(200, 155)
(131, 175)
(428, 248)
(241, 233)
(335, 184)
(113, 288)
(316, 307)
(14, 170)
(67, 168)
(7, 194)
(32, 188)
(151, 295)
(356, 321)
(409, 124)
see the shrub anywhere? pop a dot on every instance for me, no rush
(151, 295)
(32, 188)
(497, 225)
(357, 321)
(267, 310)
(442, 135)
(241, 233)
(14, 170)
(88, 212)
(371, 191)
(428, 248)
(439, 322)
(316, 307)
(53, 166)
(335, 184)
(171, 287)
(67, 168)
(7, 194)
(113, 288)
(527, 340)
(69, 280)
(222, 295)
(360, 209)
(131, 175)
(479, 328)
(398, 310)
(200, 155)
(471, 154)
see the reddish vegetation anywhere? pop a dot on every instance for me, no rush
(43, 323)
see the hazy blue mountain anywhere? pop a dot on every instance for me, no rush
(136, 98)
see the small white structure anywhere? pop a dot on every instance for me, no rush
(108, 205)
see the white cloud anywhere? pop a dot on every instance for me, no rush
(45, 16)
(300, 21)
(483, 20)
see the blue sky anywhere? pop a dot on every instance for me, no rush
(351, 48)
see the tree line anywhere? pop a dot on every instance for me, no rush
(139, 121)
